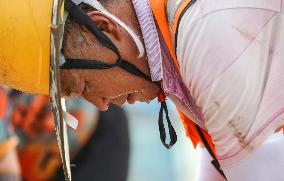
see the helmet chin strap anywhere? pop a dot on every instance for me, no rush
(78, 15)
(83, 19)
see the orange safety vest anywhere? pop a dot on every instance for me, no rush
(168, 14)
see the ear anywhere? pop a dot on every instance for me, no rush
(106, 24)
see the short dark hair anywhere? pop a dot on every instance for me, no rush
(72, 30)
(87, 8)
(72, 33)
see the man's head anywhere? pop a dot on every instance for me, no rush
(110, 85)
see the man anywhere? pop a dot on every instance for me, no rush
(228, 76)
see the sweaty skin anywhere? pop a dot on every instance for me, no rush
(114, 85)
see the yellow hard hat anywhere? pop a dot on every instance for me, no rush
(25, 44)
(29, 55)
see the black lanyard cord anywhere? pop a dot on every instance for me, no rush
(214, 162)
(83, 19)
(85, 64)
(173, 135)
(95, 64)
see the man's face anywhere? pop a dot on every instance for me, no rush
(114, 85)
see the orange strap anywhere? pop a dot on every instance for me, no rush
(159, 10)
(177, 15)
(192, 132)
(189, 124)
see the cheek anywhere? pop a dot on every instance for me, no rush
(113, 82)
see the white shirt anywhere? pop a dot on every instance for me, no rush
(266, 164)
(231, 55)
